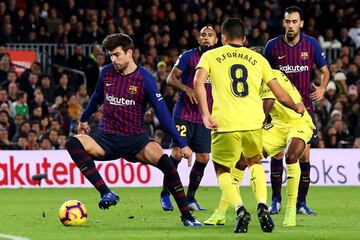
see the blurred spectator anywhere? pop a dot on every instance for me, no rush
(354, 32)
(32, 140)
(63, 88)
(30, 84)
(60, 59)
(45, 144)
(329, 40)
(47, 89)
(74, 108)
(20, 105)
(340, 80)
(22, 131)
(82, 96)
(149, 123)
(4, 139)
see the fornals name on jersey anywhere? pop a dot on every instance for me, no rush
(293, 69)
(119, 101)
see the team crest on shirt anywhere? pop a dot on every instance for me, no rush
(132, 89)
(304, 55)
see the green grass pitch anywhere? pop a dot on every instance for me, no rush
(33, 213)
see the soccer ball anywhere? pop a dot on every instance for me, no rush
(72, 213)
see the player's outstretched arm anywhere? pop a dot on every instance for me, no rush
(200, 93)
(284, 98)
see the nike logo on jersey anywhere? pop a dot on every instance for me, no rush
(108, 84)
(281, 57)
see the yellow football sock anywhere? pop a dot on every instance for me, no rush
(292, 178)
(258, 182)
(238, 176)
(230, 192)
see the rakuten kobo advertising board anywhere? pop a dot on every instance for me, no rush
(329, 167)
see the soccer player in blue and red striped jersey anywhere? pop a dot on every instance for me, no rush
(124, 90)
(188, 118)
(294, 53)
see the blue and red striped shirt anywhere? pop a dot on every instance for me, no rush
(296, 62)
(184, 109)
(124, 99)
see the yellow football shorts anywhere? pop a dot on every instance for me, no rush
(226, 147)
(276, 137)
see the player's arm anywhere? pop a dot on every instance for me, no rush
(174, 78)
(200, 92)
(268, 101)
(162, 113)
(97, 98)
(268, 104)
(284, 98)
(321, 63)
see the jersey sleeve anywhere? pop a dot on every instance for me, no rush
(204, 63)
(161, 110)
(96, 99)
(319, 55)
(182, 61)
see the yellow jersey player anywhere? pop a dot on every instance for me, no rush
(290, 132)
(237, 115)
(287, 130)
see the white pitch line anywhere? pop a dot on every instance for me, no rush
(12, 237)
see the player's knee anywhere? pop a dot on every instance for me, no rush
(202, 157)
(72, 143)
(291, 158)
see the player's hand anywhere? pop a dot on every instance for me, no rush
(187, 153)
(300, 108)
(83, 128)
(210, 123)
(318, 94)
(191, 94)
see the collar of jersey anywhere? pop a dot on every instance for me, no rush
(235, 45)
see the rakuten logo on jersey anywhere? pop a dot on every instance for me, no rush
(119, 101)
(293, 69)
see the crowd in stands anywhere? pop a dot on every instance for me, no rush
(40, 108)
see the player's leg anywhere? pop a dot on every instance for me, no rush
(218, 217)
(195, 177)
(175, 157)
(82, 149)
(252, 144)
(226, 150)
(274, 142)
(153, 154)
(294, 151)
(276, 178)
(165, 199)
(200, 142)
(304, 184)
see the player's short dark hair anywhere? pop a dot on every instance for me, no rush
(118, 40)
(233, 28)
(293, 9)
